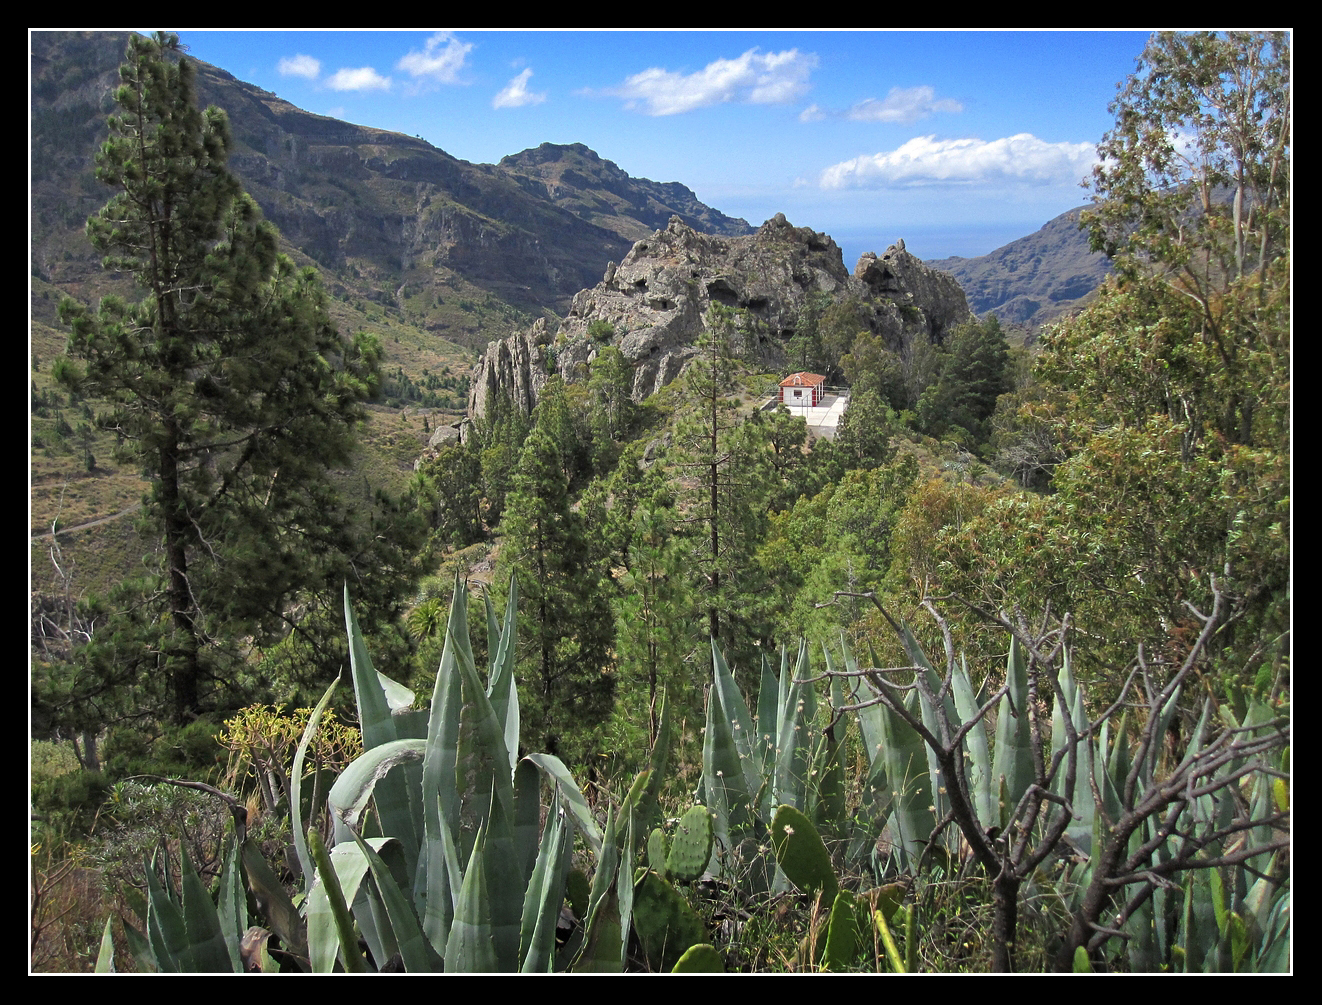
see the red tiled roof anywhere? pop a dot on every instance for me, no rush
(803, 380)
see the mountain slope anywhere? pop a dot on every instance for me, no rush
(458, 249)
(1032, 281)
(596, 190)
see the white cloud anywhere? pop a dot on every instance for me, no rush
(440, 60)
(813, 113)
(903, 104)
(773, 78)
(364, 78)
(925, 160)
(299, 66)
(515, 94)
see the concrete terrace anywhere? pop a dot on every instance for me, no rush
(823, 418)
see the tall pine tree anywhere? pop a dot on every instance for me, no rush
(727, 481)
(566, 627)
(227, 383)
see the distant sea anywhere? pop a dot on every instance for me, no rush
(930, 243)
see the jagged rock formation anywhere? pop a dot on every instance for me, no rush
(515, 366)
(657, 298)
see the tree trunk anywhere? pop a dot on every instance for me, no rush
(1005, 923)
(182, 655)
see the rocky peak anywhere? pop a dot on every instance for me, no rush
(656, 298)
(902, 278)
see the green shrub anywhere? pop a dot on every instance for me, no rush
(601, 331)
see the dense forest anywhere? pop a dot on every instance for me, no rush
(996, 678)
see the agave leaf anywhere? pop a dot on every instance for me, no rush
(233, 905)
(105, 957)
(574, 802)
(1080, 828)
(416, 951)
(369, 693)
(268, 891)
(912, 817)
(978, 753)
(471, 948)
(358, 782)
(140, 947)
(1012, 755)
(527, 818)
(624, 881)
(296, 784)
(166, 930)
(876, 795)
(829, 800)
(398, 697)
(502, 688)
(723, 779)
(322, 945)
(928, 711)
(792, 738)
(933, 679)
(395, 801)
(740, 722)
(439, 877)
(546, 893)
(768, 699)
(506, 886)
(349, 866)
(602, 943)
(1274, 950)
(483, 764)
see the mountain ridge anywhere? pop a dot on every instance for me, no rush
(1034, 279)
(386, 217)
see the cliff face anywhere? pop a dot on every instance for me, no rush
(657, 297)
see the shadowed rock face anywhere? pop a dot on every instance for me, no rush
(657, 297)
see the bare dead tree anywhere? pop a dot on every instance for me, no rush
(1171, 810)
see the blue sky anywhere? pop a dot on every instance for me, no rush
(956, 141)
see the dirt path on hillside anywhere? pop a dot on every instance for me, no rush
(90, 523)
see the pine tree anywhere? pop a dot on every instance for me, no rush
(975, 373)
(227, 382)
(724, 467)
(705, 463)
(654, 635)
(566, 627)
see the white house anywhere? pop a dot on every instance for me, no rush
(802, 389)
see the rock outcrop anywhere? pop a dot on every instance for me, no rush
(514, 366)
(656, 299)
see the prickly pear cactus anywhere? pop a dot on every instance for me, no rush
(702, 959)
(665, 923)
(801, 855)
(690, 845)
(657, 851)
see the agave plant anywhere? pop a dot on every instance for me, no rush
(438, 858)
(784, 756)
(460, 876)
(1165, 851)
